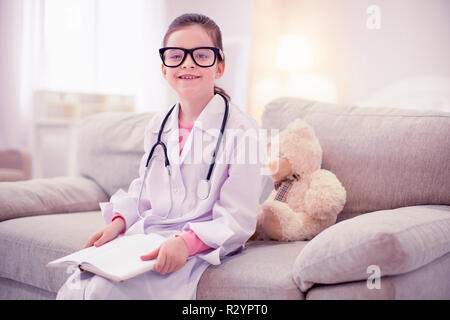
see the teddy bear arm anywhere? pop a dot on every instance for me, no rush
(326, 196)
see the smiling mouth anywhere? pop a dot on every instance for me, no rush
(188, 77)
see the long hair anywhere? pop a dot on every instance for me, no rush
(189, 19)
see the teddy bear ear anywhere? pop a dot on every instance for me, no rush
(301, 127)
(300, 123)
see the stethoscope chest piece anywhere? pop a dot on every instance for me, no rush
(203, 189)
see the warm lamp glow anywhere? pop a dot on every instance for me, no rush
(294, 54)
(311, 86)
(268, 88)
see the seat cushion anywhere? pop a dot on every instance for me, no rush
(14, 290)
(428, 282)
(262, 271)
(28, 244)
(390, 242)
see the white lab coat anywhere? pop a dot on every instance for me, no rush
(224, 220)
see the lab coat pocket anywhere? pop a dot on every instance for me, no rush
(193, 173)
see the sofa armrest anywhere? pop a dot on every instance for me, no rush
(49, 195)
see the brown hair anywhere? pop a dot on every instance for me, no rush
(189, 19)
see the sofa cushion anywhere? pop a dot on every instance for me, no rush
(384, 157)
(108, 141)
(14, 290)
(428, 282)
(50, 195)
(28, 244)
(396, 241)
(262, 271)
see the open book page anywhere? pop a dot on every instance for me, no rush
(118, 259)
(124, 260)
(87, 253)
(74, 258)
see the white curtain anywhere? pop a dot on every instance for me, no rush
(153, 92)
(19, 46)
(101, 46)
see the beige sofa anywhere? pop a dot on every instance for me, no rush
(392, 240)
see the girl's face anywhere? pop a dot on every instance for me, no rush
(188, 38)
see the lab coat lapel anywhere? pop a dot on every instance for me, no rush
(170, 139)
(208, 123)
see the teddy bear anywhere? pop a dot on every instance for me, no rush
(306, 199)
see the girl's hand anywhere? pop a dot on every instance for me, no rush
(106, 234)
(172, 255)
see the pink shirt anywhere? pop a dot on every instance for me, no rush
(184, 131)
(194, 244)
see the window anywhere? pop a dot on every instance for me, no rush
(92, 46)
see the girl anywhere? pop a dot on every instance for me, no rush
(200, 230)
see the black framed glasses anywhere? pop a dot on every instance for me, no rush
(203, 56)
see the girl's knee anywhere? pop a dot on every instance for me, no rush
(99, 288)
(73, 288)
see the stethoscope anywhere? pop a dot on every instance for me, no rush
(203, 186)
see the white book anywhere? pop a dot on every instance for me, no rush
(118, 260)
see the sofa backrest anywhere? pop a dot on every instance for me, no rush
(385, 158)
(109, 148)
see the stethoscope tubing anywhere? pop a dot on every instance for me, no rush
(166, 158)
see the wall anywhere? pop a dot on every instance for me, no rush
(9, 78)
(351, 62)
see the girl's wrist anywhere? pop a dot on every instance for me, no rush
(119, 223)
(184, 245)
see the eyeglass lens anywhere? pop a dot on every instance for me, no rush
(203, 57)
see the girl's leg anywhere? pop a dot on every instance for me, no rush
(74, 287)
(181, 284)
